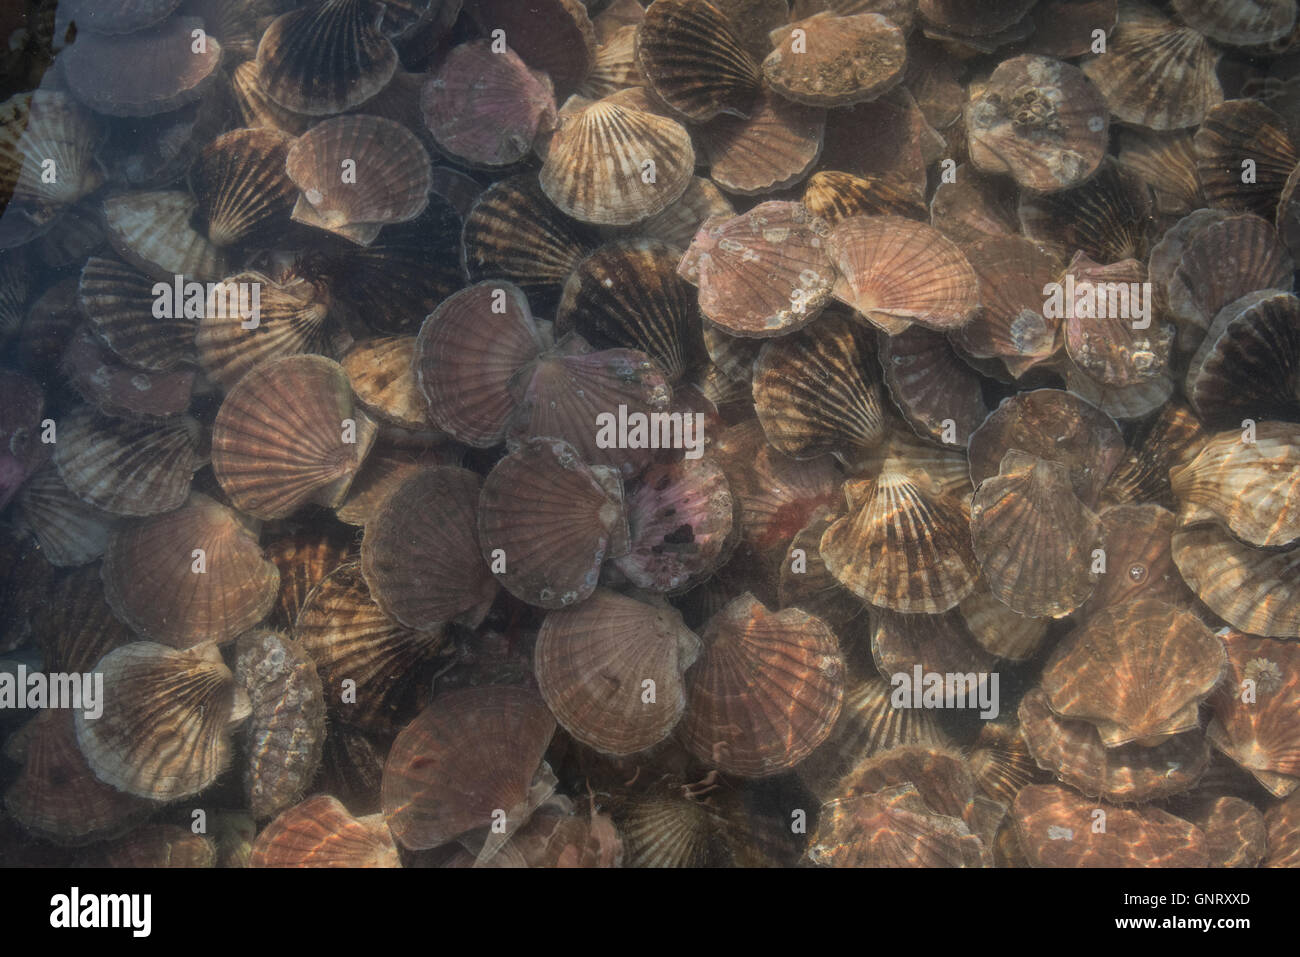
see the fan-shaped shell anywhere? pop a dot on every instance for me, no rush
(839, 60)
(48, 127)
(1244, 129)
(119, 301)
(553, 36)
(772, 148)
(153, 231)
(243, 190)
(70, 531)
(1249, 362)
(320, 832)
(1255, 711)
(1252, 589)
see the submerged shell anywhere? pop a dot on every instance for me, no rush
(1248, 365)
(1239, 22)
(593, 663)
(940, 395)
(1252, 589)
(1108, 218)
(553, 36)
(766, 691)
(70, 531)
(1010, 325)
(1255, 711)
(289, 433)
(840, 61)
(243, 190)
(320, 832)
(1234, 830)
(153, 231)
(834, 195)
(1233, 132)
(773, 147)
(48, 127)
(190, 576)
(119, 299)
(893, 827)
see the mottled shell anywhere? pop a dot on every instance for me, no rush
(892, 828)
(766, 692)
(1255, 590)
(1235, 831)
(303, 559)
(834, 195)
(1255, 711)
(42, 127)
(243, 190)
(1012, 272)
(381, 373)
(939, 393)
(320, 832)
(841, 60)
(1244, 129)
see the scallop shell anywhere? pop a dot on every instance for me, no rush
(153, 232)
(125, 467)
(119, 300)
(547, 522)
(77, 627)
(156, 584)
(1156, 73)
(352, 640)
(615, 66)
(157, 846)
(763, 273)
(1234, 830)
(771, 149)
(44, 127)
(896, 271)
(1010, 325)
(1110, 348)
(940, 395)
(1139, 559)
(320, 832)
(806, 582)
(103, 380)
(391, 176)
(942, 643)
(594, 661)
(165, 730)
(892, 828)
(383, 380)
(999, 630)
(326, 58)
(1239, 23)
(1143, 475)
(303, 560)
(1244, 129)
(554, 36)
(466, 759)
(835, 196)
(289, 434)
(1255, 710)
(1166, 162)
(841, 60)
(694, 61)
(678, 224)
(142, 73)
(1000, 760)
(766, 691)
(70, 532)
(259, 110)
(1249, 362)
(613, 165)
(674, 831)
(1249, 588)
(975, 207)
(1108, 218)
(243, 190)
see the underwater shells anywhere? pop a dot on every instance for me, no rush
(1115, 672)
(243, 190)
(772, 148)
(1236, 131)
(1255, 711)
(834, 196)
(1114, 343)
(593, 663)
(384, 382)
(142, 73)
(846, 60)
(420, 553)
(938, 392)
(289, 433)
(553, 36)
(389, 181)
(320, 832)
(189, 576)
(1251, 589)
(1010, 325)
(119, 301)
(893, 827)
(897, 271)
(48, 127)
(766, 691)
(763, 273)
(153, 231)
(468, 757)
(547, 522)
(1107, 218)
(1244, 23)
(1247, 364)
(1234, 830)
(70, 531)
(1040, 120)
(613, 165)
(165, 730)
(326, 58)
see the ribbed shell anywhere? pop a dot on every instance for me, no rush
(595, 168)
(551, 521)
(593, 662)
(615, 66)
(816, 391)
(763, 273)
(766, 692)
(1239, 129)
(892, 828)
(1261, 735)
(933, 386)
(286, 729)
(771, 149)
(326, 58)
(469, 754)
(291, 320)
(259, 110)
(628, 295)
(1239, 22)
(320, 832)
(1249, 362)
(485, 108)
(999, 630)
(673, 831)
(896, 271)
(391, 182)
(1251, 589)
(1234, 829)
(351, 639)
(841, 61)
(383, 380)
(114, 388)
(125, 467)
(677, 224)
(1166, 162)
(1108, 217)
(553, 36)
(165, 730)
(420, 554)
(693, 59)
(902, 546)
(834, 195)
(243, 190)
(1156, 73)
(279, 441)
(937, 643)
(1167, 440)
(303, 560)
(467, 356)
(48, 126)
(1033, 537)
(1010, 325)
(806, 582)
(77, 628)
(153, 232)
(151, 583)
(70, 531)
(142, 73)
(1000, 760)
(119, 301)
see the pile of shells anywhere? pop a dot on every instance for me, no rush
(589, 434)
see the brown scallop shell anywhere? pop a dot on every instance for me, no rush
(1055, 827)
(286, 728)
(119, 300)
(554, 36)
(1236, 131)
(1010, 325)
(153, 231)
(1110, 348)
(841, 60)
(897, 271)
(142, 73)
(1157, 446)
(892, 828)
(77, 627)
(70, 532)
(936, 643)
(1234, 831)
(352, 640)
(1139, 559)
(903, 546)
(694, 60)
(975, 207)
(999, 630)
(1109, 217)
(1114, 671)
(1251, 589)
(1040, 120)
(940, 395)
(678, 224)
(816, 392)
(550, 521)
(1248, 365)
(165, 730)
(289, 433)
(671, 830)
(465, 760)
(243, 190)
(1255, 711)
(151, 581)
(47, 126)
(1000, 760)
(614, 67)
(1155, 72)
(806, 582)
(320, 832)
(834, 196)
(766, 692)
(593, 663)
(1166, 162)
(381, 373)
(763, 273)
(126, 467)
(772, 148)
(257, 109)
(1239, 23)
(303, 560)
(326, 58)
